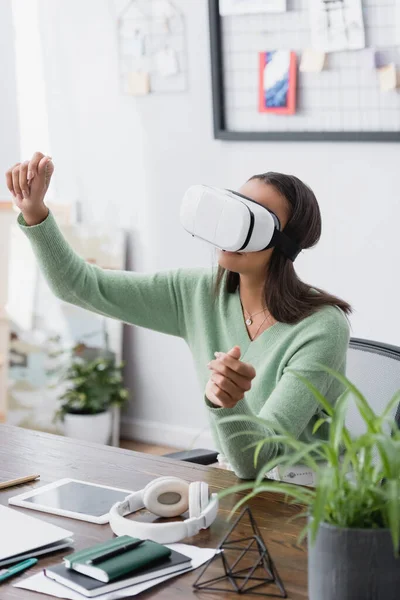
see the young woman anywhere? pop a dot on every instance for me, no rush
(247, 327)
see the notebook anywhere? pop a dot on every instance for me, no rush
(89, 587)
(23, 536)
(109, 569)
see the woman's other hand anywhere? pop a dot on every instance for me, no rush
(230, 379)
(28, 182)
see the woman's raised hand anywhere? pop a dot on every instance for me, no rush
(28, 182)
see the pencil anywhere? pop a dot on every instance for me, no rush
(11, 482)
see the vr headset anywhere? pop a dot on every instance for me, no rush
(233, 222)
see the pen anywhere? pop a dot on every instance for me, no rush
(6, 573)
(115, 552)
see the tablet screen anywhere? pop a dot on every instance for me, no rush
(79, 497)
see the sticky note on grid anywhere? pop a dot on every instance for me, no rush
(388, 78)
(312, 61)
(138, 83)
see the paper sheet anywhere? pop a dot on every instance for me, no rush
(166, 62)
(312, 61)
(133, 46)
(336, 25)
(42, 584)
(247, 7)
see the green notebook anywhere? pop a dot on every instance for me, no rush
(129, 561)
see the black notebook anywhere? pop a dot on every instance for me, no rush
(92, 587)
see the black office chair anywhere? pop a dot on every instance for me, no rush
(373, 367)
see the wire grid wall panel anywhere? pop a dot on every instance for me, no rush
(344, 101)
(157, 34)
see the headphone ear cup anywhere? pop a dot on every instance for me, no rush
(159, 480)
(167, 496)
(198, 498)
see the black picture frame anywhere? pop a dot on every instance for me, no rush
(219, 112)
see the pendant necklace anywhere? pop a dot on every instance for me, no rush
(249, 317)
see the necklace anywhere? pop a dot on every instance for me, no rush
(262, 323)
(249, 320)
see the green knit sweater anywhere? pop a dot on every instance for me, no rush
(181, 303)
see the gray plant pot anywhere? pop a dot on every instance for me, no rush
(353, 564)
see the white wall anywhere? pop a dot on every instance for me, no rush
(9, 133)
(129, 161)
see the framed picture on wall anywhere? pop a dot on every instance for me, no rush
(277, 82)
(259, 93)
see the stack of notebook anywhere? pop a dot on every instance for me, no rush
(116, 564)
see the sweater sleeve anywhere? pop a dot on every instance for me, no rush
(151, 301)
(290, 406)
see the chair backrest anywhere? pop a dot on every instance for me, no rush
(375, 369)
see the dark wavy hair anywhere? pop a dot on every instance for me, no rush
(289, 299)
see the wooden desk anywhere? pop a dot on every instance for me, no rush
(53, 457)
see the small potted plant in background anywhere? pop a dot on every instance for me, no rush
(92, 387)
(353, 513)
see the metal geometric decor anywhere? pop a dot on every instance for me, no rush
(261, 572)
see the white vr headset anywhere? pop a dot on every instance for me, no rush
(233, 222)
(166, 497)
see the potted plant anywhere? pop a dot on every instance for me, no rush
(353, 523)
(92, 388)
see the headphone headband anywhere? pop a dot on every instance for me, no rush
(163, 533)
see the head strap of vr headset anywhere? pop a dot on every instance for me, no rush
(285, 244)
(279, 239)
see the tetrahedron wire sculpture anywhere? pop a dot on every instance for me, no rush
(260, 571)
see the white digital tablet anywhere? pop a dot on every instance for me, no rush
(73, 498)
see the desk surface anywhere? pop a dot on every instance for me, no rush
(53, 457)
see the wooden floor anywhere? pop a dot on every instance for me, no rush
(146, 448)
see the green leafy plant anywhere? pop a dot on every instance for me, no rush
(92, 387)
(358, 478)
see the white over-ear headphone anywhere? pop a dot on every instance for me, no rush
(166, 497)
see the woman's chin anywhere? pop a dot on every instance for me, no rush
(230, 260)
